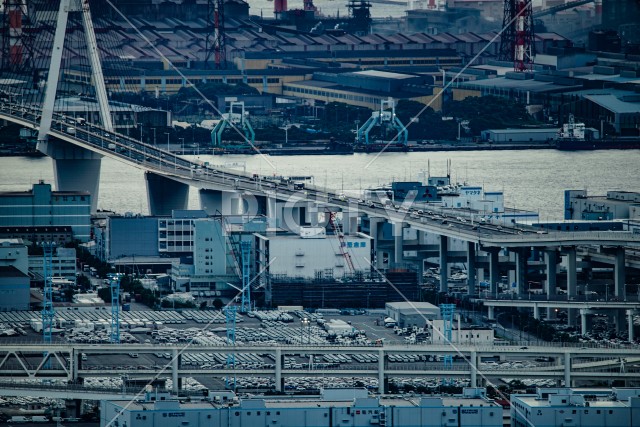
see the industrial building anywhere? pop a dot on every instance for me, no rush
(63, 265)
(461, 335)
(345, 407)
(576, 407)
(409, 313)
(14, 278)
(299, 256)
(59, 235)
(367, 88)
(579, 205)
(43, 207)
(498, 136)
(14, 289)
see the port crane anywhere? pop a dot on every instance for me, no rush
(237, 118)
(338, 232)
(385, 117)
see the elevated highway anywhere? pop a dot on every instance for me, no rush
(574, 363)
(157, 161)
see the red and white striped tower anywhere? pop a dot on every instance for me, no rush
(14, 12)
(516, 44)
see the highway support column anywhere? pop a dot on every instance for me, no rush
(630, 314)
(444, 248)
(398, 248)
(278, 373)
(471, 268)
(572, 283)
(381, 356)
(174, 371)
(521, 268)
(619, 274)
(165, 195)
(567, 369)
(473, 361)
(551, 261)
(494, 270)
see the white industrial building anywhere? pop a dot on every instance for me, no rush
(618, 407)
(344, 407)
(460, 335)
(311, 251)
(409, 313)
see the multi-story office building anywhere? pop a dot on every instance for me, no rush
(618, 407)
(42, 207)
(344, 407)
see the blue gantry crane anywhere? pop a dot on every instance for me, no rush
(237, 118)
(230, 314)
(386, 118)
(114, 338)
(446, 312)
(48, 312)
(245, 302)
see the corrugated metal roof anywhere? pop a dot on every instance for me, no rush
(614, 104)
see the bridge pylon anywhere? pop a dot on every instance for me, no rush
(75, 168)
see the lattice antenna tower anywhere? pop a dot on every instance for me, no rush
(245, 302)
(230, 314)
(517, 39)
(446, 312)
(48, 312)
(114, 338)
(216, 39)
(17, 44)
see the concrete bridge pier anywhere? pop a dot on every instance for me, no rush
(619, 274)
(165, 195)
(572, 283)
(630, 314)
(471, 268)
(494, 270)
(74, 168)
(349, 222)
(398, 242)
(584, 324)
(278, 372)
(444, 244)
(375, 225)
(551, 262)
(619, 319)
(215, 202)
(521, 268)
